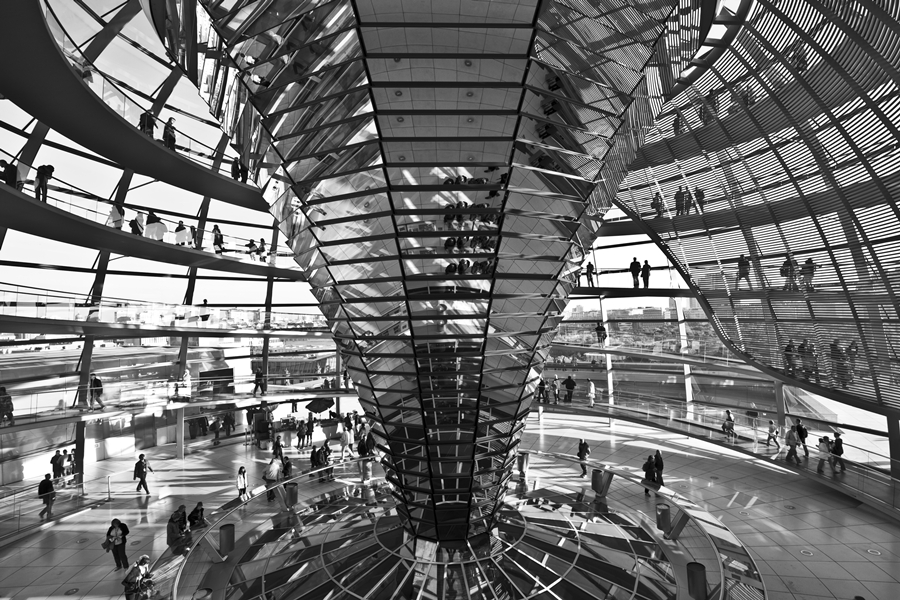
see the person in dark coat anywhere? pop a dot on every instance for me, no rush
(47, 496)
(196, 518)
(236, 169)
(278, 448)
(169, 134)
(649, 472)
(141, 468)
(43, 175)
(645, 274)
(700, 198)
(10, 173)
(583, 452)
(570, 388)
(679, 202)
(635, 268)
(117, 538)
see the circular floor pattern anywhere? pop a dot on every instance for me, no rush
(548, 543)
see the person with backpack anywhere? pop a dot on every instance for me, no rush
(802, 434)
(116, 542)
(138, 578)
(43, 175)
(6, 407)
(649, 469)
(583, 452)
(837, 451)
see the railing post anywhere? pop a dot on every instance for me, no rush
(108, 489)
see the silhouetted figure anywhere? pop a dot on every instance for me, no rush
(807, 272)
(43, 175)
(600, 330)
(635, 269)
(676, 125)
(743, 272)
(700, 198)
(657, 205)
(147, 123)
(645, 274)
(169, 134)
(589, 271)
(679, 202)
(236, 169)
(789, 272)
(790, 359)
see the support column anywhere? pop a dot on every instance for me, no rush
(682, 336)
(179, 434)
(779, 402)
(894, 444)
(609, 371)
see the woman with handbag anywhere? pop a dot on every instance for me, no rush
(116, 538)
(137, 580)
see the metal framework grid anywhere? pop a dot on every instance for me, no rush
(432, 166)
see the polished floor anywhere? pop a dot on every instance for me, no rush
(809, 541)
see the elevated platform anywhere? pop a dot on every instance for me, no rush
(768, 117)
(43, 83)
(37, 218)
(606, 292)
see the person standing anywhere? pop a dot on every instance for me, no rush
(591, 393)
(216, 425)
(635, 268)
(10, 173)
(241, 483)
(837, 450)
(43, 176)
(117, 538)
(789, 272)
(6, 407)
(792, 440)
(141, 468)
(259, 383)
(228, 423)
(649, 469)
(96, 391)
(657, 205)
(658, 465)
(169, 134)
(807, 272)
(236, 169)
(824, 448)
(790, 359)
(147, 123)
(47, 496)
(802, 434)
(583, 452)
(676, 125)
(570, 388)
(700, 197)
(301, 435)
(287, 468)
(728, 425)
(600, 330)
(218, 240)
(852, 355)
(645, 274)
(772, 435)
(541, 390)
(554, 387)
(271, 476)
(679, 202)
(278, 448)
(347, 442)
(589, 271)
(56, 465)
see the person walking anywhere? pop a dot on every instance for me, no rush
(583, 452)
(347, 442)
(792, 440)
(147, 123)
(42, 177)
(589, 271)
(96, 391)
(554, 387)
(228, 423)
(287, 468)
(591, 393)
(789, 272)
(116, 539)
(658, 464)
(790, 359)
(6, 407)
(802, 434)
(852, 356)
(241, 484)
(141, 468)
(743, 273)
(169, 134)
(649, 469)
(600, 330)
(137, 578)
(270, 476)
(116, 217)
(824, 448)
(541, 390)
(48, 496)
(570, 388)
(215, 426)
(259, 383)
(635, 268)
(772, 435)
(837, 450)
(218, 240)
(728, 426)
(645, 274)
(700, 197)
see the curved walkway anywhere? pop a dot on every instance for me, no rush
(607, 292)
(827, 85)
(37, 218)
(40, 79)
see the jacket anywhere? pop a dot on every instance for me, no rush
(837, 447)
(241, 481)
(123, 533)
(791, 438)
(273, 471)
(141, 468)
(173, 533)
(45, 487)
(583, 451)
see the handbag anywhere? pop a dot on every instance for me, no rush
(106, 545)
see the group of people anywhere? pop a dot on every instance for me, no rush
(147, 124)
(685, 201)
(42, 176)
(653, 470)
(638, 270)
(796, 275)
(456, 218)
(803, 360)
(556, 388)
(467, 267)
